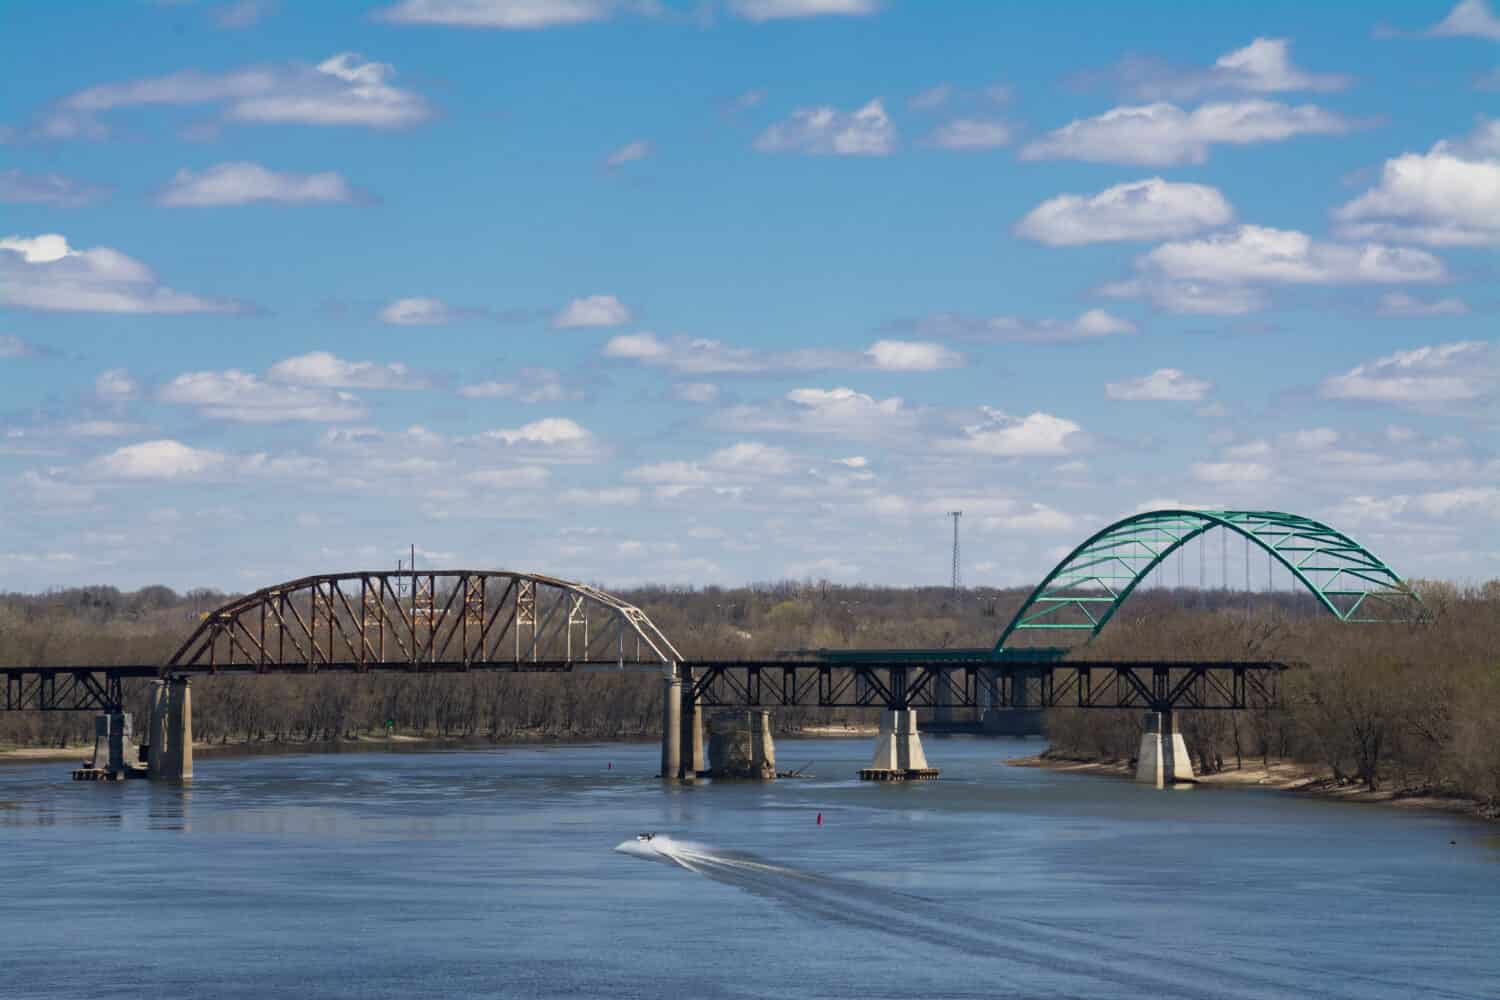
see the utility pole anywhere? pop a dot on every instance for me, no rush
(957, 576)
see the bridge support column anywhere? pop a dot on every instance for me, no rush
(671, 727)
(1163, 760)
(693, 763)
(177, 754)
(156, 730)
(898, 749)
(113, 730)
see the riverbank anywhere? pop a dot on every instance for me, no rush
(1283, 776)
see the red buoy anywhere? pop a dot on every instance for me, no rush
(820, 819)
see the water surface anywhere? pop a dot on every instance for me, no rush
(515, 872)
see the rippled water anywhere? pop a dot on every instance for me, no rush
(516, 873)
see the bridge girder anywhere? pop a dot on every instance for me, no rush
(1083, 591)
(376, 619)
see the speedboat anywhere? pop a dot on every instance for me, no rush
(645, 837)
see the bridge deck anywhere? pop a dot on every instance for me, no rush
(880, 681)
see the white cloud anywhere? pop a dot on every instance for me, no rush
(340, 90)
(1188, 296)
(245, 398)
(775, 10)
(1455, 372)
(548, 432)
(702, 393)
(1164, 384)
(839, 411)
(1257, 253)
(523, 477)
(100, 429)
(243, 13)
(1163, 134)
(1250, 449)
(1449, 196)
(45, 274)
(324, 369)
(933, 97)
(511, 15)
(673, 473)
(911, 356)
(826, 131)
(116, 385)
(746, 460)
(14, 347)
(164, 459)
(752, 457)
(1030, 519)
(1151, 209)
(47, 189)
(1443, 503)
(1089, 325)
(418, 312)
(1312, 439)
(1402, 304)
(49, 492)
(618, 496)
(1005, 436)
(1262, 67)
(628, 153)
(535, 385)
(853, 462)
(590, 311)
(968, 134)
(1469, 18)
(828, 567)
(702, 356)
(244, 183)
(842, 410)
(1231, 473)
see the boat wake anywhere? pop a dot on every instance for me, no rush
(1073, 961)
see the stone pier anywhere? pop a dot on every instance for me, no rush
(898, 750)
(1163, 760)
(740, 745)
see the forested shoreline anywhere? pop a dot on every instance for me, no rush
(1410, 706)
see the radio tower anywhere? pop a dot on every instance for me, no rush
(957, 576)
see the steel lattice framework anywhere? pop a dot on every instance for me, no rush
(444, 619)
(1085, 590)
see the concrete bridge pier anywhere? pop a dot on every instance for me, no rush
(671, 727)
(156, 730)
(112, 729)
(898, 750)
(693, 762)
(1163, 759)
(171, 755)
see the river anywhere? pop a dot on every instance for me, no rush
(515, 872)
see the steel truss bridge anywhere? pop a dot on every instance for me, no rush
(499, 620)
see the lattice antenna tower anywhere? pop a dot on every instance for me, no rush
(957, 574)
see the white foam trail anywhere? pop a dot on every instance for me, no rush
(1073, 958)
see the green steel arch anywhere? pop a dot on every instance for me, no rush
(1084, 591)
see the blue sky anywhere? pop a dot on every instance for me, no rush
(720, 292)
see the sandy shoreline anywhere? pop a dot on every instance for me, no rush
(1305, 779)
